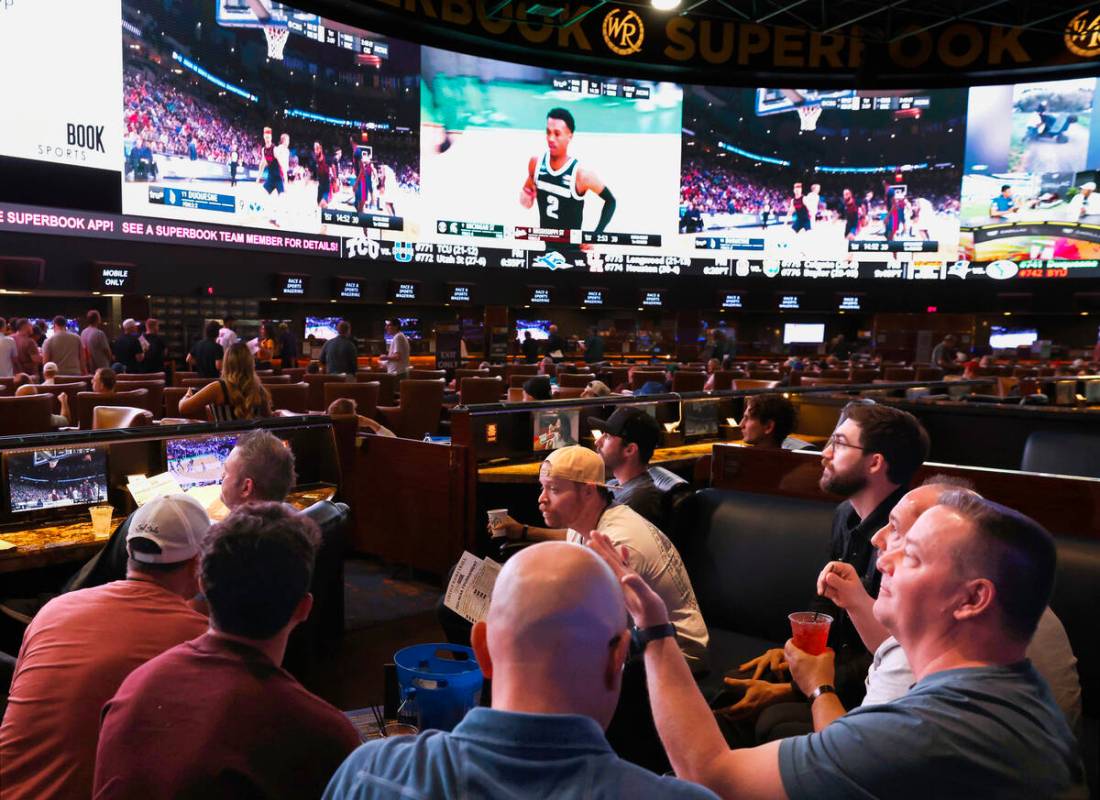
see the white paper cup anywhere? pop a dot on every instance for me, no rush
(101, 519)
(496, 520)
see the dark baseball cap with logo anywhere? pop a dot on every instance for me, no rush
(632, 425)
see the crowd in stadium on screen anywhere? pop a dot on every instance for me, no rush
(727, 185)
(172, 118)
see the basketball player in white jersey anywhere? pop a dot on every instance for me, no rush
(921, 218)
(386, 190)
(558, 183)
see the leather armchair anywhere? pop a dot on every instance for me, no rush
(72, 389)
(27, 414)
(427, 374)
(120, 417)
(365, 396)
(418, 412)
(290, 397)
(155, 400)
(86, 403)
(140, 376)
(643, 376)
(480, 390)
(268, 379)
(575, 379)
(1062, 453)
(688, 381)
(179, 377)
(387, 384)
(316, 385)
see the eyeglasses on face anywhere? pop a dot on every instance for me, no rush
(835, 443)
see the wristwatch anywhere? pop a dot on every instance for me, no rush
(643, 636)
(824, 688)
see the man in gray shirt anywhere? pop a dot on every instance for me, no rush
(97, 348)
(963, 596)
(340, 355)
(65, 349)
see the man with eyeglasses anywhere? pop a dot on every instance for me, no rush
(870, 459)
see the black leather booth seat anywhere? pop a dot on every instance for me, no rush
(754, 558)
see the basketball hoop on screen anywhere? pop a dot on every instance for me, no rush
(276, 36)
(807, 117)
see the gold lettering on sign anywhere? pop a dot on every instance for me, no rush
(1082, 34)
(623, 32)
(680, 47)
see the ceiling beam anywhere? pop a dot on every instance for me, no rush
(860, 17)
(945, 20)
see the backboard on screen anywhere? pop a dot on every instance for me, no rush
(795, 174)
(55, 478)
(327, 137)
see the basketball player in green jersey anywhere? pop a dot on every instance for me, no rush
(556, 181)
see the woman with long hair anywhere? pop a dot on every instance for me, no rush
(237, 395)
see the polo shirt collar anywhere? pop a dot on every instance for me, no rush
(571, 733)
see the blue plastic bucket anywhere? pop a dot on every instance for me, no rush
(446, 679)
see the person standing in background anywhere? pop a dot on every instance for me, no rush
(397, 356)
(65, 349)
(227, 336)
(154, 346)
(555, 345)
(7, 351)
(27, 356)
(97, 349)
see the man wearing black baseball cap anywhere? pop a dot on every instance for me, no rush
(627, 441)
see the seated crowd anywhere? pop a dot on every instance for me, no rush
(158, 672)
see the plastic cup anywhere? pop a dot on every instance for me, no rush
(101, 519)
(496, 521)
(810, 631)
(400, 729)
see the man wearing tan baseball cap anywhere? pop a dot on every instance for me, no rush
(574, 496)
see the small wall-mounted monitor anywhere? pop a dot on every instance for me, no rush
(651, 298)
(788, 302)
(700, 418)
(539, 296)
(803, 333)
(348, 289)
(291, 285)
(50, 478)
(322, 327)
(539, 328)
(113, 277)
(593, 297)
(1001, 338)
(405, 291)
(849, 302)
(556, 428)
(459, 292)
(198, 461)
(731, 300)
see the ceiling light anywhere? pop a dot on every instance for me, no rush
(665, 5)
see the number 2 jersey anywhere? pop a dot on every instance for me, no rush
(560, 206)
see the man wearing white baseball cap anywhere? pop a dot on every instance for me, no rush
(81, 646)
(1085, 203)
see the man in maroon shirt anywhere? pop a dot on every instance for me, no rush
(27, 355)
(217, 717)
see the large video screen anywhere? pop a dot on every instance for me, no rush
(514, 152)
(257, 114)
(1030, 170)
(60, 63)
(809, 174)
(41, 479)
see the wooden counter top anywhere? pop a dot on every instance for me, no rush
(74, 541)
(528, 472)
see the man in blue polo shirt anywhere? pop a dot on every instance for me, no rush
(1004, 204)
(962, 596)
(554, 644)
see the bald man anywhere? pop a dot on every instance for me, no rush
(554, 644)
(891, 675)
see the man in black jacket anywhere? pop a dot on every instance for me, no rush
(870, 459)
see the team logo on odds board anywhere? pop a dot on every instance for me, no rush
(1082, 34)
(623, 32)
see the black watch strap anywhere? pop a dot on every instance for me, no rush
(824, 688)
(643, 636)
